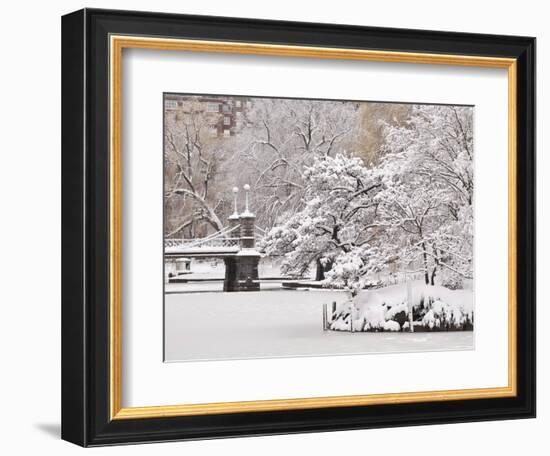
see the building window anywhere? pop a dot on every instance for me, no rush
(225, 108)
(248, 104)
(213, 107)
(238, 103)
(227, 133)
(227, 120)
(170, 104)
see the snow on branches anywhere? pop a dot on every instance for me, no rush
(428, 193)
(315, 190)
(412, 212)
(336, 224)
(282, 138)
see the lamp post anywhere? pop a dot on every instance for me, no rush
(247, 220)
(247, 190)
(230, 282)
(236, 211)
(234, 217)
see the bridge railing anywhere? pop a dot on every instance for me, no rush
(195, 243)
(223, 238)
(228, 237)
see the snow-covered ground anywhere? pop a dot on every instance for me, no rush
(206, 324)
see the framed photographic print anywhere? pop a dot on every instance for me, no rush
(278, 227)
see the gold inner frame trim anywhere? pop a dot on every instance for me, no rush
(117, 44)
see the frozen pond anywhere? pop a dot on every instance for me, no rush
(205, 324)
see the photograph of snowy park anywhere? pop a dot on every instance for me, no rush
(308, 227)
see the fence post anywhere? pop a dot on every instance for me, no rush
(410, 305)
(351, 311)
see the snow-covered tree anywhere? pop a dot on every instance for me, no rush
(411, 211)
(437, 142)
(282, 138)
(194, 171)
(335, 226)
(428, 192)
(356, 202)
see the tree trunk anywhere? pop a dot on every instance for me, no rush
(425, 259)
(321, 270)
(432, 278)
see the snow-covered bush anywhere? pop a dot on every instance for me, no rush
(434, 308)
(391, 325)
(443, 316)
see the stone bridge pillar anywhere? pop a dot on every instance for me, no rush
(241, 271)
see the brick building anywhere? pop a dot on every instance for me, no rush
(225, 115)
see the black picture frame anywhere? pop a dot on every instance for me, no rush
(85, 228)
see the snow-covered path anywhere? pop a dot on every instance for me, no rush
(277, 323)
